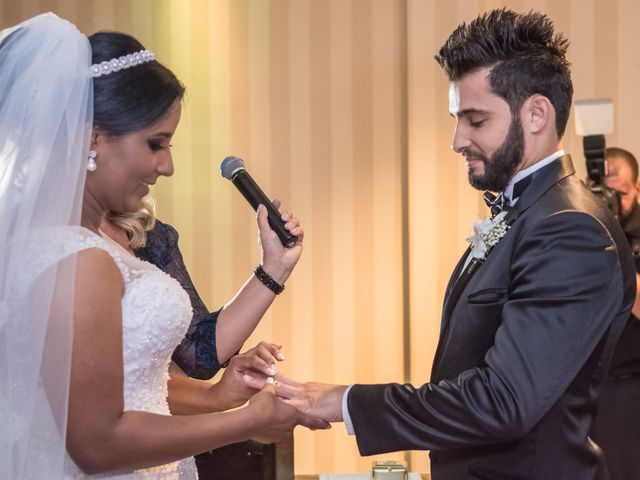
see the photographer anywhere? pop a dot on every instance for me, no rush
(617, 426)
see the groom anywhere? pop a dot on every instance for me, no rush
(531, 317)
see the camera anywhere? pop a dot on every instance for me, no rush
(594, 119)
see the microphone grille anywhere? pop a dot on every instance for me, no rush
(230, 166)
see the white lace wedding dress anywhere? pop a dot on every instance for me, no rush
(156, 313)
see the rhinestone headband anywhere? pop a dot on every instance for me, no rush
(121, 63)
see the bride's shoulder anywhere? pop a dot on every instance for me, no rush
(53, 244)
(62, 239)
(45, 249)
(96, 268)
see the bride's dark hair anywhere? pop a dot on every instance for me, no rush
(132, 99)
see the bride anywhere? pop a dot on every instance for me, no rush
(86, 329)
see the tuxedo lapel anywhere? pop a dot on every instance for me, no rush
(457, 284)
(460, 281)
(544, 179)
(456, 273)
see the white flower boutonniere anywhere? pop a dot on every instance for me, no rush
(487, 233)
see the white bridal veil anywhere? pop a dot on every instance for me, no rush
(45, 121)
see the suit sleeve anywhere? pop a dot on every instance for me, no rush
(566, 287)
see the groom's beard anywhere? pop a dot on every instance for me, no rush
(500, 167)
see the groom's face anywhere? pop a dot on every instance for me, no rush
(486, 134)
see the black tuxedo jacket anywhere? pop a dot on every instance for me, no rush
(526, 339)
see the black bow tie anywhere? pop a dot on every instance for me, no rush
(497, 203)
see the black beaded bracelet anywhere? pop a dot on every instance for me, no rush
(268, 280)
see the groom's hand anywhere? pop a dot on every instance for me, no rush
(321, 400)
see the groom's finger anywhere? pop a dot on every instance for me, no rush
(286, 380)
(287, 391)
(269, 386)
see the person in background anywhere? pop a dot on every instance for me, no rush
(616, 428)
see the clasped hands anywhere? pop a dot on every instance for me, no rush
(275, 407)
(252, 376)
(320, 400)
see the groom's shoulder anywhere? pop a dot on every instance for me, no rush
(572, 201)
(570, 194)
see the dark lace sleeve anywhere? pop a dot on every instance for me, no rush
(196, 354)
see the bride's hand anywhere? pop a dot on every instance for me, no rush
(257, 363)
(275, 420)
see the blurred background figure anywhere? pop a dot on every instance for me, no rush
(617, 425)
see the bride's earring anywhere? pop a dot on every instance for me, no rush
(91, 162)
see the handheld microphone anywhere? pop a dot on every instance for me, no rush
(232, 168)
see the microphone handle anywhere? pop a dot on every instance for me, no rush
(255, 196)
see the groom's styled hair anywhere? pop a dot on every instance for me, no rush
(527, 58)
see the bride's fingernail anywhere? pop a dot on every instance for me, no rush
(269, 380)
(280, 356)
(272, 370)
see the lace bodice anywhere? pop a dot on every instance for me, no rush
(156, 313)
(197, 354)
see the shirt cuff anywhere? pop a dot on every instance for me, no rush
(345, 412)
